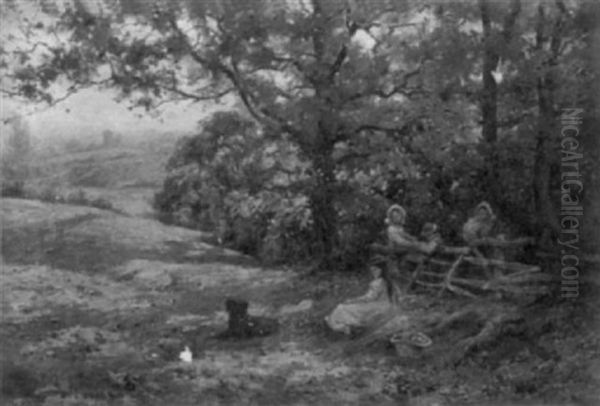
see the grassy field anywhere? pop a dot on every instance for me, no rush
(97, 306)
(91, 297)
(124, 178)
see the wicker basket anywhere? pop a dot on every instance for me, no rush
(410, 345)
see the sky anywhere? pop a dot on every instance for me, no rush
(89, 112)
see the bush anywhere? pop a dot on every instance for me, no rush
(268, 225)
(81, 199)
(287, 234)
(52, 194)
(48, 194)
(181, 202)
(253, 191)
(17, 380)
(13, 189)
(273, 226)
(361, 222)
(100, 203)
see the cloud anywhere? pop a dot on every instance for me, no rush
(89, 112)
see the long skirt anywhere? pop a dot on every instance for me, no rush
(345, 316)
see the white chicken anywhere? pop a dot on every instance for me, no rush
(186, 355)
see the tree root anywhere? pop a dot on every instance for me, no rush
(495, 320)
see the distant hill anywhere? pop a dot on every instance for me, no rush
(124, 175)
(133, 164)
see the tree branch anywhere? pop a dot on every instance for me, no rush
(510, 20)
(343, 53)
(48, 104)
(220, 67)
(400, 88)
(375, 127)
(196, 97)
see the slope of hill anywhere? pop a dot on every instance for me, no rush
(103, 167)
(126, 175)
(97, 307)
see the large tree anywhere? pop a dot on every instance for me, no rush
(322, 74)
(380, 91)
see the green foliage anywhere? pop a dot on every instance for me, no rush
(53, 194)
(12, 189)
(361, 223)
(233, 179)
(347, 108)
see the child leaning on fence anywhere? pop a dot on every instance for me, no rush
(399, 238)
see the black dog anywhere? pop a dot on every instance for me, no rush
(242, 325)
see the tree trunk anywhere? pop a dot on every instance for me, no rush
(489, 94)
(546, 216)
(320, 150)
(489, 105)
(322, 206)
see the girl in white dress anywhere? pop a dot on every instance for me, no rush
(366, 309)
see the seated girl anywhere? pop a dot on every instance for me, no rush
(364, 310)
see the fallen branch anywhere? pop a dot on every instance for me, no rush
(430, 284)
(446, 321)
(440, 262)
(448, 279)
(397, 250)
(470, 282)
(530, 290)
(433, 274)
(443, 249)
(593, 259)
(490, 331)
(493, 319)
(524, 278)
(460, 291)
(495, 242)
(510, 266)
